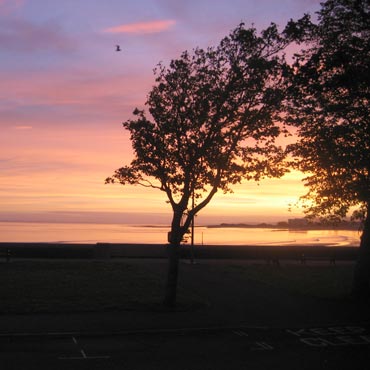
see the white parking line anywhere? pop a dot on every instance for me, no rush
(262, 346)
(240, 333)
(84, 356)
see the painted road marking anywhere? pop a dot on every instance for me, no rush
(332, 336)
(257, 346)
(83, 356)
(336, 341)
(337, 330)
(240, 333)
(262, 346)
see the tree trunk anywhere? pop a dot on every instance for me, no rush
(173, 252)
(361, 278)
(172, 275)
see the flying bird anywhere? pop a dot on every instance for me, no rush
(118, 48)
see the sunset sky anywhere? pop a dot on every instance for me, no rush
(65, 91)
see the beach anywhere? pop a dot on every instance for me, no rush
(85, 233)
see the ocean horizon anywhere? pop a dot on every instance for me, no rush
(89, 233)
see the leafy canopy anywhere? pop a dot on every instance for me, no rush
(330, 106)
(213, 120)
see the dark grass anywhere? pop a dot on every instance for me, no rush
(97, 286)
(317, 281)
(64, 286)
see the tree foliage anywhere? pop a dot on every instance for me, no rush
(213, 122)
(214, 115)
(330, 107)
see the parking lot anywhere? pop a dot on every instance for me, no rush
(339, 347)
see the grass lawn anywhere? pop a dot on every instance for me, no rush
(64, 286)
(331, 282)
(77, 286)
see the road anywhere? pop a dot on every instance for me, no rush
(339, 348)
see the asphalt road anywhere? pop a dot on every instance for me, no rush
(339, 347)
(228, 332)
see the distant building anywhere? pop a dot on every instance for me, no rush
(297, 222)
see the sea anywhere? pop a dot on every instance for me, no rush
(25, 232)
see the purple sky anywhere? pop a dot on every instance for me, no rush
(65, 91)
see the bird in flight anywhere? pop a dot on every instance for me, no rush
(118, 48)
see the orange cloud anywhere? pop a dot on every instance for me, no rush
(142, 27)
(23, 127)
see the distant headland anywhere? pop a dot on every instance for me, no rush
(297, 224)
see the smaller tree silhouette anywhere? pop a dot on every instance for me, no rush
(330, 106)
(214, 122)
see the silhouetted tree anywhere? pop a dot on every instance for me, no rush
(330, 107)
(214, 122)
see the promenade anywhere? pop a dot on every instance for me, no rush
(227, 321)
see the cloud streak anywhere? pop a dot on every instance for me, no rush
(19, 35)
(30, 97)
(142, 27)
(9, 6)
(24, 127)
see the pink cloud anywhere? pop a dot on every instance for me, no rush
(142, 27)
(9, 6)
(23, 127)
(24, 36)
(30, 99)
